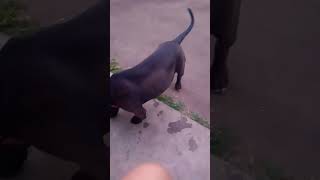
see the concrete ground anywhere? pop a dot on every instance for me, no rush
(138, 27)
(273, 104)
(179, 144)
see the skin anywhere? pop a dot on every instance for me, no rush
(148, 171)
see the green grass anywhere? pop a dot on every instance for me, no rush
(12, 22)
(114, 66)
(179, 106)
(196, 117)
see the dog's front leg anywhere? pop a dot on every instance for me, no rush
(139, 115)
(219, 69)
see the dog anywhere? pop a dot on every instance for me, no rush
(224, 26)
(54, 95)
(131, 88)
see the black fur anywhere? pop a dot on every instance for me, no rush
(224, 26)
(53, 91)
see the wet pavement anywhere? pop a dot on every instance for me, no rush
(167, 137)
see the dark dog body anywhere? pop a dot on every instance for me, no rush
(131, 88)
(53, 90)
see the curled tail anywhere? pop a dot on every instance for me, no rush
(181, 36)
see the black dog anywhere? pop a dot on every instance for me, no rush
(53, 93)
(224, 25)
(131, 88)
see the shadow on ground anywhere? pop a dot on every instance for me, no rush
(273, 103)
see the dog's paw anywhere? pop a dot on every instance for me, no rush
(136, 120)
(178, 87)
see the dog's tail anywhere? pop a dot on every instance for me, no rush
(181, 36)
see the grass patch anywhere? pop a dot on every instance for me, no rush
(196, 117)
(12, 22)
(114, 66)
(179, 106)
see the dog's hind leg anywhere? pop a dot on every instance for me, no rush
(178, 83)
(134, 106)
(219, 69)
(180, 71)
